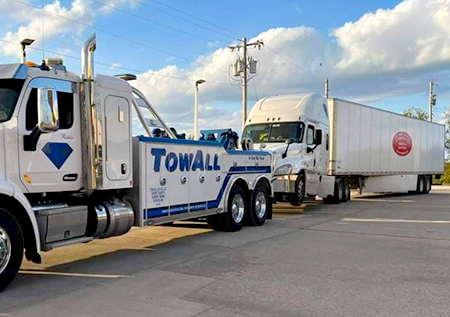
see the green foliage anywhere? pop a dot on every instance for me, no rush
(417, 113)
(446, 117)
(445, 179)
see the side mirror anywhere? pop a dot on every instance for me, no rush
(48, 116)
(318, 137)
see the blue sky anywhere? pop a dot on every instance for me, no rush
(373, 51)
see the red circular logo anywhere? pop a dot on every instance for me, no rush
(402, 143)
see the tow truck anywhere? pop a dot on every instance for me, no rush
(71, 170)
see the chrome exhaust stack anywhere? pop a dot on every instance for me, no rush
(91, 124)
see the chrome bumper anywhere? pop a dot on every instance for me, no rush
(284, 183)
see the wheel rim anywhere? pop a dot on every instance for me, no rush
(260, 205)
(5, 249)
(237, 208)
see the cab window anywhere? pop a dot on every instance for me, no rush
(65, 109)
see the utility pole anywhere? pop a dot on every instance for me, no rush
(241, 68)
(431, 101)
(327, 88)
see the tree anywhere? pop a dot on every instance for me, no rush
(446, 118)
(417, 113)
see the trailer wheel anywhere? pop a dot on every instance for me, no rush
(11, 248)
(300, 191)
(233, 218)
(259, 206)
(428, 182)
(420, 185)
(346, 185)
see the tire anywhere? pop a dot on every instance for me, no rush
(259, 206)
(338, 195)
(300, 191)
(11, 248)
(428, 181)
(233, 219)
(346, 186)
(420, 185)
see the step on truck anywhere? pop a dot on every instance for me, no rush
(71, 171)
(326, 147)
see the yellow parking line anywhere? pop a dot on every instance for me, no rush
(395, 220)
(41, 272)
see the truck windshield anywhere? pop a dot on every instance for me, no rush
(274, 132)
(9, 93)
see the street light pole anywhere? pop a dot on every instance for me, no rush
(197, 83)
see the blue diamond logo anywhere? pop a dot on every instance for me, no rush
(58, 153)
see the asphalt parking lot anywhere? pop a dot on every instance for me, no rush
(374, 256)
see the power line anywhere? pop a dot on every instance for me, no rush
(197, 18)
(151, 21)
(183, 19)
(286, 59)
(152, 73)
(116, 35)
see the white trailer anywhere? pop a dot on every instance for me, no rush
(71, 172)
(324, 147)
(367, 142)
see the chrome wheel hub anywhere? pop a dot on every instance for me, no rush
(5, 249)
(260, 205)
(237, 208)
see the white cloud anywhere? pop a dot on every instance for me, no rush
(385, 53)
(111, 4)
(15, 10)
(57, 22)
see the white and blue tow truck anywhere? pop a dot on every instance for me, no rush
(71, 170)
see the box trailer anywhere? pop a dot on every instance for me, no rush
(367, 141)
(324, 147)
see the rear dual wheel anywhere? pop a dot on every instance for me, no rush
(423, 185)
(259, 205)
(233, 219)
(341, 192)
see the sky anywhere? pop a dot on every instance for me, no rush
(382, 53)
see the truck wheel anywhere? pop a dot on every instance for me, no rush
(259, 206)
(420, 185)
(346, 185)
(11, 248)
(338, 195)
(233, 218)
(300, 191)
(428, 181)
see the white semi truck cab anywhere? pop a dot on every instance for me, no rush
(324, 147)
(70, 170)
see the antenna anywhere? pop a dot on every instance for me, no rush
(43, 31)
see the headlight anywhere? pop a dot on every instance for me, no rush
(283, 170)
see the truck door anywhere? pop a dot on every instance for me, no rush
(55, 163)
(312, 162)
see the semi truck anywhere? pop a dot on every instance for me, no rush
(324, 147)
(71, 171)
